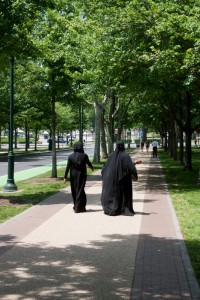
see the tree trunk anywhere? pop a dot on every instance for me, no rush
(144, 137)
(166, 146)
(120, 126)
(121, 113)
(109, 137)
(119, 130)
(98, 107)
(180, 130)
(109, 124)
(98, 112)
(188, 151)
(36, 137)
(104, 153)
(170, 139)
(15, 138)
(26, 136)
(181, 147)
(58, 142)
(164, 133)
(175, 154)
(188, 133)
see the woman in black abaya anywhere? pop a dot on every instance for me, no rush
(77, 165)
(117, 176)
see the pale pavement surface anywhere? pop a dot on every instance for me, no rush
(49, 252)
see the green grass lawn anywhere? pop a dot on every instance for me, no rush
(185, 193)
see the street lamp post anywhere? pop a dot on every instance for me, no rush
(10, 185)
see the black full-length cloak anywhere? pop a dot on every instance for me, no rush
(117, 174)
(77, 163)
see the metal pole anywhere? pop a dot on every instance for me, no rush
(10, 185)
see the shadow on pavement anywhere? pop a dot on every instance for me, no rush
(93, 271)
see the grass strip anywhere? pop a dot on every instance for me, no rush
(184, 190)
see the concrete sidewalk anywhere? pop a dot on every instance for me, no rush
(48, 252)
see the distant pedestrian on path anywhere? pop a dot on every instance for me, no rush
(117, 175)
(77, 165)
(142, 145)
(155, 147)
(147, 146)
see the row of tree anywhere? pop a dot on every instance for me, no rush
(128, 63)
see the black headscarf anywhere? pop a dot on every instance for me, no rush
(78, 157)
(116, 165)
(120, 146)
(78, 147)
(78, 160)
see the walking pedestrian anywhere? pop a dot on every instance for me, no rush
(155, 147)
(142, 145)
(147, 146)
(77, 165)
(117, 175)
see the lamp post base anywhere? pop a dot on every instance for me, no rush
(10, 186)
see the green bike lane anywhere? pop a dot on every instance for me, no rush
(26, 174)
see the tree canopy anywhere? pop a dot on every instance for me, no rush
(109, 54)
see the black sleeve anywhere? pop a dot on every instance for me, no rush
(131, 166)
(67, 168)
(89, 163)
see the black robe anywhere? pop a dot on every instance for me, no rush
(78, 174)
(117, 174)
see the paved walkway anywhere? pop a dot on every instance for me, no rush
(48, 252)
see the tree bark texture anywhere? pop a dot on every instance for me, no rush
(180, 131)
(110, 121)
(104, 153)
(188, 133)
(98, 112)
